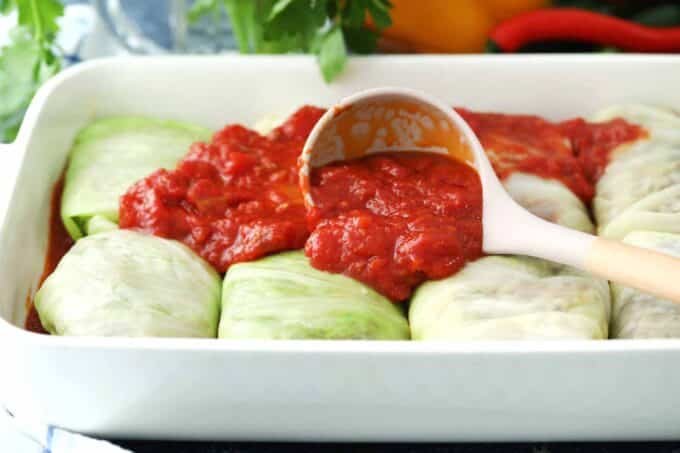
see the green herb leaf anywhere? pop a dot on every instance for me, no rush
(18, 63)
(326, 28)
(354, 14)
(242, 14)
(332, 54)
(202, 8)
(360, 40)
(332, 8)
(40, 17)
(300, 19)
(6, 6)
(380, 12)
(278, 7)
(9, 126)
(28, 60)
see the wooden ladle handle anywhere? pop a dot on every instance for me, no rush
(649, 271)
(509, 228)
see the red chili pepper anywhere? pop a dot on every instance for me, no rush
(570, 24)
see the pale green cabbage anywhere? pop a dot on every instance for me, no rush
(128, 284)
(638, 200)
(639, 315)
(284, 297)
(630, 180)
(640, 188)
(513, 297)
(659, 211)
(550, 200)
(110, 155)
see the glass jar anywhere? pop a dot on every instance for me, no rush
(164, 26)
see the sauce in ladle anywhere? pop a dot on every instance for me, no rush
(394, 220)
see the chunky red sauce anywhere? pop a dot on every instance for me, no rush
(394, 220)
(232, 200)
(391, 221)
(529, 144)
(574, 152)
(58, 243)
(593, 142)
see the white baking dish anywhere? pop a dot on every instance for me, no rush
(314, 390)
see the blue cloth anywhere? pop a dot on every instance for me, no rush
(25, 435)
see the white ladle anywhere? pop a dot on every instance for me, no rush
(397, 119)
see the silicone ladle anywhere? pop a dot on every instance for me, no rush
(397, 119)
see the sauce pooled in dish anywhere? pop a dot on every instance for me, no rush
(574, 152)
(529, 144)
(593, 143)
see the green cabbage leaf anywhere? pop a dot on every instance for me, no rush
(283, 297)
(128, 284)
(110, 155)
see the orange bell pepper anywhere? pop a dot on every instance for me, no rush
(446, 26)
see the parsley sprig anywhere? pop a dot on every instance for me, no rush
(326, 28)
(28, 60)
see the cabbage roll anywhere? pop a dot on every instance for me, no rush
(638, 201)
(511, 298)
(111, 154)
(127, 284)
(550, 200)
(283, 297)
(514, 297)
(640, 188)
(629, 182)
(639, 315)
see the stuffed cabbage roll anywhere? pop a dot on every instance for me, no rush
(639, 315)
(550, 200)
(283, 297)
(111, 154)
(638, 201)
(127, 284)
(511, 298)
(630, 180)
(514, 297)
(640, 188)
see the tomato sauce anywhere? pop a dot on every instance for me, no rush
(574, 152)
(593, 143)
(232, 200)
(390, 220)
(394, 220)
(58, 243)
(529, 144)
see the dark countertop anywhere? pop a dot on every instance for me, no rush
(227, 447)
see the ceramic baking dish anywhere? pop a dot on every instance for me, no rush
(316, 390)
